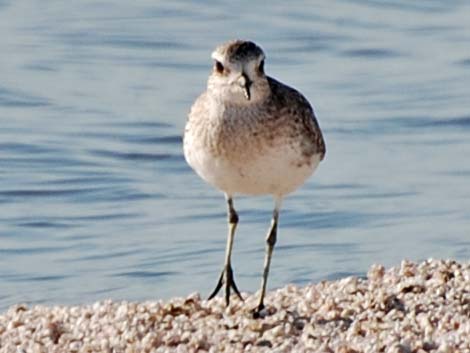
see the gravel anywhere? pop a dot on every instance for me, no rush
(411, 308)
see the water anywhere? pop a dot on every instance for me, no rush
(96, 199)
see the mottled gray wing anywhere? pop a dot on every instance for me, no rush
(286, 102)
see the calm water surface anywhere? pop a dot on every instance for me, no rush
(96, 199)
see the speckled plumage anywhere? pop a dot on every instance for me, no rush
(251, 134)
(224, 134)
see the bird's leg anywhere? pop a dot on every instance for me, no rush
(270, 242)
(227, 274)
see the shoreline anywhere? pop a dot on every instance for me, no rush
(413, 307)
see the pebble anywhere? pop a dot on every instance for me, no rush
(414, 307)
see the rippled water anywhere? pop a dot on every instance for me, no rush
(97, 202)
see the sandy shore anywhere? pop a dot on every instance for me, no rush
(412, 308)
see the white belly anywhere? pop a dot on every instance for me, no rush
(277, 171)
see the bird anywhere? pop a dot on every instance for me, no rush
(250, 134)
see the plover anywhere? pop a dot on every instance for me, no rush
(253, 135)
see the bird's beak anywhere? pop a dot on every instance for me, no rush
(245, 82)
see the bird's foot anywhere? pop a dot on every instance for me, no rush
(259, 311)
(226, 277)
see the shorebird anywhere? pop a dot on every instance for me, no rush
(250, 134)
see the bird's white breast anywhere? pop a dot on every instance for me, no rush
(276, 170)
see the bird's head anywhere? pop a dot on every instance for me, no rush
(238, 75)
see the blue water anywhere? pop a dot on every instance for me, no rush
(96, 200)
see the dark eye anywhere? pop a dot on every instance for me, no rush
(219, 67)
(261, 67)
